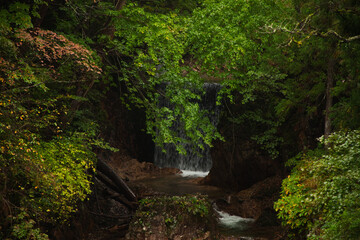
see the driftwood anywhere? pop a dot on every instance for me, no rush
(120, 186)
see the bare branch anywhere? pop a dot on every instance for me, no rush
(337, 35)
(271, 29)
(24, 87)
(303, 28)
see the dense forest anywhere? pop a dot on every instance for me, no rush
(289, 72)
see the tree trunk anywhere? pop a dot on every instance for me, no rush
(329, 99)
(108, 29)
(43, 9)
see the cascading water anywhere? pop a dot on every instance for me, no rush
(194, 160)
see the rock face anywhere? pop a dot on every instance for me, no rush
(239, 165)
(257, 202)
(123, 128)
(239, 161)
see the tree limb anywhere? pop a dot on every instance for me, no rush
(270, 29)
(300, 29)
(341, 38)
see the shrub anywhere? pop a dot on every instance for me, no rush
(321, 197)
(43, 181)
(44, 158)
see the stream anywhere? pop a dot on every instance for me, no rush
(229, 225)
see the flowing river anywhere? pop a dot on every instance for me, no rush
(229, 225)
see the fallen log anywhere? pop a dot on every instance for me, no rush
(122, 187)
(120, 198)
(112, 192)
(105, 180)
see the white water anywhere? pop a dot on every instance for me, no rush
(193, 174)
(232, 221)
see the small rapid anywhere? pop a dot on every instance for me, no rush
(233, 222)
(193, 174)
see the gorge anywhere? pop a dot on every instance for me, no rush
(98, 98)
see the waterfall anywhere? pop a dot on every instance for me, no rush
(200, 159)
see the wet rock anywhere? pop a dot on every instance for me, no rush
(267, 218)
(252, 202)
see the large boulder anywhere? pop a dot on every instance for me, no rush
(255, 202)
(237, 165)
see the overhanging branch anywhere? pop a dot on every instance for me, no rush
(271, 29)
(304, 29)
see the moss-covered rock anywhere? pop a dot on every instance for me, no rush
(175, 217)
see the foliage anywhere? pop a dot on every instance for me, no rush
(24, 229)
(59, 175)
(321, 196)
(319, 31)
(17, 15)
(44, 161)
(54, 51)
(226, 43)
(194, 205)
(169, 55)
(234, 48)
(155, 71)
(143, 45)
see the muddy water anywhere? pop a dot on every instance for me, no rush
(229, 225)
